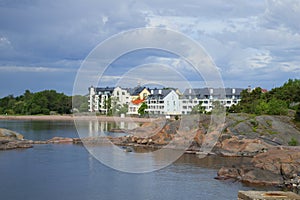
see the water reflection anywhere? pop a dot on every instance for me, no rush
(105, 128)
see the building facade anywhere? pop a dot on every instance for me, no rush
(138, 95)
(206, 96)
(98, 97)
(121, 95)
(162, 101)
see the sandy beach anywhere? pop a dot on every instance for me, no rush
(71, 117)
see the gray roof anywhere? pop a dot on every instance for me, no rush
(136, 91)
(202, 93)
(104, 89)
(159, 93)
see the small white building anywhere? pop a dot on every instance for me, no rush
(163, 102)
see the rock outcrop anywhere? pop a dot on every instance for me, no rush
(9, 135)
(278, 166)
(12, 140)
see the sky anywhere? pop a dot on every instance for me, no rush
(43, 44)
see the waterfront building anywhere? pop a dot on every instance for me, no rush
(98, 97)
(206, 96)
(138, 95)
(163, 102)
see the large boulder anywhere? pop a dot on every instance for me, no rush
(277, 166)
(279, 160)
(250, 175)
(236, 146)
(9, 135)
(12, 140)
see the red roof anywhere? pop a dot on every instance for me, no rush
(137, 101)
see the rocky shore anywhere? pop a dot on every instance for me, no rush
(264, 139)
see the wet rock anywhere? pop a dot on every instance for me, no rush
(250, 175)
(226, 173)
(12, 140)
(15, 145)
(9, 135)
(59, 140)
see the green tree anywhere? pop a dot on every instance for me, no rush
(249, 100)
(36, 103)
(218, 108)
(198, 109)
(262, 107)
(297, 114)
(80, 102)
(142, 109)
(277, 107)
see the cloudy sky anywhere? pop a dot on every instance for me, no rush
(43, 43)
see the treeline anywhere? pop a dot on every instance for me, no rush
(277, 101)
(45, 102)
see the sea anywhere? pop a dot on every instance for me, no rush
(71, 172)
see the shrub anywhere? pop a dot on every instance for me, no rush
(293, 142)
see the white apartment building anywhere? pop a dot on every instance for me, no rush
(206, 97)
(97, 98)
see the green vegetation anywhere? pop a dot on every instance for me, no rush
(45, 102)
(142, 109)
(113, 108)
(275, 102)
(198, 109)
(297, 114)
(293, 142)
(80, 103)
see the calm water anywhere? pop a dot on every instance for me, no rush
(68, 171)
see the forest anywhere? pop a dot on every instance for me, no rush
(278, 101)
(45, 102)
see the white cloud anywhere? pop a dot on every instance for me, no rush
(32, 69)
(290, 67)
(243, 37)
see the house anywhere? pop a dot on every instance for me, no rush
(163, 102)
(138, 95)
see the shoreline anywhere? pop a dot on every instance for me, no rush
(71, 117)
